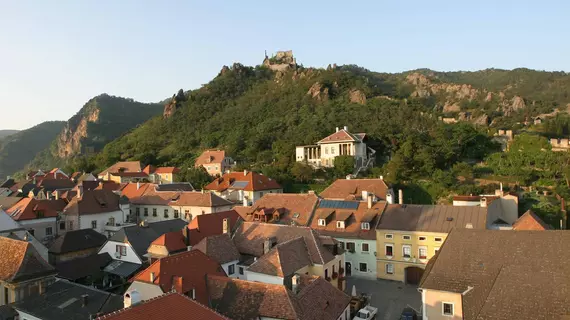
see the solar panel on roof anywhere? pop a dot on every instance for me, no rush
(339, 204)
(239, 184)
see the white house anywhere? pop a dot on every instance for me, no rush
(101, 210)
(243, 187)
(39, 217)
(340, 143)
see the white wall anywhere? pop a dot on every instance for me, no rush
(39, 226)
(194, 211)
(146, 290)
(345, 314)
(300, 153)
(459, 203)
(227, 265)
(111, 247)
(26, 316)
(359, 256)
(101, 218)
(260, 277)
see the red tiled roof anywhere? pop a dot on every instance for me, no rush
(342, 135)
(30, 208)
(21, 261)
(206, 225)
(192, 266)
(291, 207)
(351, 189)
(530, 221)
(353, 220)
(210, 156)
(149, 169)
(150, 196)
(108, 185)
(173, 241)
(166, 170)
(219, 247)
(255, 182)
(127, 166)
(135, 190)
(168, 306)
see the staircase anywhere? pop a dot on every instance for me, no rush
(368, 164)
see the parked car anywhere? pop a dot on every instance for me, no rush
(366, 313)
(409, 314)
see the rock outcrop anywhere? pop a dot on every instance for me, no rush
(69, 140)
(357, 96)
(451, 107)
(282, 61)
(318, 92)
(516, 104)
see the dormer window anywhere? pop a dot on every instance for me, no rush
(365, 226)
(340, 224)
(322, 222)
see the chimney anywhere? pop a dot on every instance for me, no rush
(345, 128)
(138, 185)
(226, 225)
(266, 245)
(389, 198)
(56, 195)
(483, 202)
(370, 202)
(311, 192)
(364, 195)
(80, 191)
(84, 299)
(245, 203)
(295, 280)
(381, 177)
(55, 174)
(186, 234)
(348, 177)
(152, 277)
(131, 298)
(400, 196)
(245, 172)
(336, 129)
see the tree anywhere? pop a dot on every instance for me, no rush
(343, 165)
(198, 177)
(302, 172)
(462, 169)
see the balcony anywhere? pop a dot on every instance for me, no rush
(335, 275)
(341, 271)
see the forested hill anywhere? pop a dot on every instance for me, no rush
(259, 115)
(101, 120)
(19, 148)
(5, 133)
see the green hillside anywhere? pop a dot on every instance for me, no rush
(5, 133)
(19, 148)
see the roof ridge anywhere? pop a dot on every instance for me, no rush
(291, 296)
(318, 249)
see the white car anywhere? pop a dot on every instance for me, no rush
(366, 313)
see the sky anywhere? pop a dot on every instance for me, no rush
(56, 55)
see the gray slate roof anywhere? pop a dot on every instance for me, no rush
(62, 300)
(431, 218)
(141, 237)
(514, 274)
(77, 240)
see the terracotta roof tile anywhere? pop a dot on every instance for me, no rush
(206, 225)
(353, 220)
(252, 181)
(351, 189)
(530, 221)
(250, 237)
(210, 156)
(219, 247)
(166, 170)
(172, 241)
(341, 135)
(292, 207)
(150, 196)
(127, 166)
(30, 208)
(192, 266)
(20, 261)
(168, 306)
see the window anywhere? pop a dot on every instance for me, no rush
(350, 246)
(94, 224)
(341, 245)
(111, 221)
(389, 268)
(390, 250)
(6, 295)
(422, 253)
(49, 231)
(362, 267)
(138, 212)
(326, 150)
(322, 222)
(422, 238)
(176, 214)
(365, 226)
(146, 212)
(447, 309)
(406, 251)
(340, 224)
(240, 269)
(332, 150)
(121, 249)
(231, 269)
(389, 236)
(437, 239)
(62, 226)
(70, 225)
(365, 247)
(166, 213)
(326, 273)
(407, 237)
(187, 215)
(154, 212)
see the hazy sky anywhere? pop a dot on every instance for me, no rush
(55, 55)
